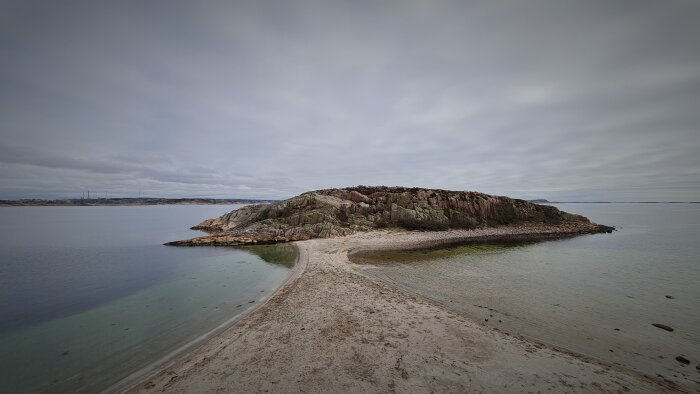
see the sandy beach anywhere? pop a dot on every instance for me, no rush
(332, 328)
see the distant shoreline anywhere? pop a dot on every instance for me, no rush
(620, 202)
(138, 201)
(80, 202)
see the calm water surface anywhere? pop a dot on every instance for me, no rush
(89, 295)
(597, 295)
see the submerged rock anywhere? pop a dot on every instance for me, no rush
(338, 212)
(683, 360)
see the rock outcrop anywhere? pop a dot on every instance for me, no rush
(338, 212)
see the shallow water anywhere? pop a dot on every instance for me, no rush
(597, 295)
(89, 295)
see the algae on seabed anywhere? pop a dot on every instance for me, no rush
(282, 253)
(431, 253)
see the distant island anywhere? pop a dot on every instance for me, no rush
(129, 201)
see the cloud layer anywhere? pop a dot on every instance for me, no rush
(553, 99)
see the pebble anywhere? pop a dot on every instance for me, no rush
(663, 326)
(670, 297)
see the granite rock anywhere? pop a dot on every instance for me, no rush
(338, 212)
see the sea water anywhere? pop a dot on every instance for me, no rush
(90, 295)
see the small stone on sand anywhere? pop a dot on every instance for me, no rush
(663, 326)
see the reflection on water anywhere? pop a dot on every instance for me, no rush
(283, 254)
(82, 311)
(597, 294)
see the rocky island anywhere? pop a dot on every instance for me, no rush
(338, 212)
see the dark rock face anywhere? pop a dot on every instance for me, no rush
(338, 212)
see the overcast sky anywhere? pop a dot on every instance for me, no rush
(564, 100)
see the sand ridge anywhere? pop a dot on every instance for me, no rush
(331, 328)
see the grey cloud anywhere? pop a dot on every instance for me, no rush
(576, 100)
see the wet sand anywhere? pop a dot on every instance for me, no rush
(332, 328)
